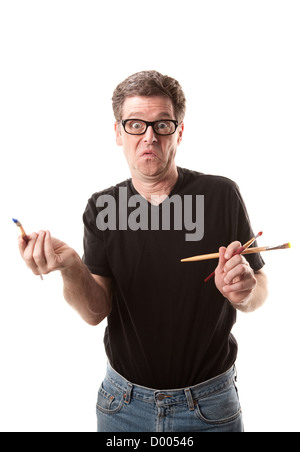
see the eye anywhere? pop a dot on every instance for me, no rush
(163, 125)
(136, 125)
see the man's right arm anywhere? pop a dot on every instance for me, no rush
(89, 295)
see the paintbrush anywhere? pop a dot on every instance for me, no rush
(256, 250)
(259, 249)
(240, 250)
(23, 233)
(205, 257)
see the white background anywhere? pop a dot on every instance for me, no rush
(239, 65)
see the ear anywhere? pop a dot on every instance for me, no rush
(180, 133)
(119, 139)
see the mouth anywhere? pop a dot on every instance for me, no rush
(149, 154)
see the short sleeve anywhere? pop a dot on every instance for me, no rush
(94, 257)
(245, 232)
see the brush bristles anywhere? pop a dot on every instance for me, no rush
(17, 222)
(280, 247)
(285, 246)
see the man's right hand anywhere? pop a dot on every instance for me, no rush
(44, 254)
(89, 295)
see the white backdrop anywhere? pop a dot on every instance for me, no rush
(238, 62)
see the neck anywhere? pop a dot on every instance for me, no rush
(156, 188)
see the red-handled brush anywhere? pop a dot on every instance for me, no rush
(239, 251)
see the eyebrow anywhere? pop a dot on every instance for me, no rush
(137, 114)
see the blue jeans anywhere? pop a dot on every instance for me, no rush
(212, 406)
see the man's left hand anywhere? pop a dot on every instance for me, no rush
(234, 277)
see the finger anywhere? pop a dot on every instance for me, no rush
(231, 249)
(49, 251)
(234, 262)
(240, 270)
(28, 253)
(236, 279)
(240, 284)
(22, 244)
(39, 253)
(222, 260)
(237, 297)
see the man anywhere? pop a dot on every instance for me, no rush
(170, 350)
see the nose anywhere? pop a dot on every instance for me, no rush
(150, 136)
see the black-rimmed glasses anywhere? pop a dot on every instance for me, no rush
(139, 127)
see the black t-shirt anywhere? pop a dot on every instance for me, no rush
(167, 328)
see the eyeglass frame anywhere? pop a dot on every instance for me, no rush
(150, 123)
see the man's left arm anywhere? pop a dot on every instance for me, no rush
(244, 288)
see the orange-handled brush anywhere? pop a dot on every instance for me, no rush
(239, 251)
(23, 233)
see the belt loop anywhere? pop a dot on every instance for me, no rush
(189, 399)
(127, 396)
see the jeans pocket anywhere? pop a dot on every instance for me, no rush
(219, 407)
(110, 398)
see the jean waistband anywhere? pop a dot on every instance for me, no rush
(170, 396)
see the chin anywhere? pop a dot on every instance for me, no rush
(150, 167)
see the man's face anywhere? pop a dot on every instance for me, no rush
(148, 155)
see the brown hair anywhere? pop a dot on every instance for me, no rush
(149, 83)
